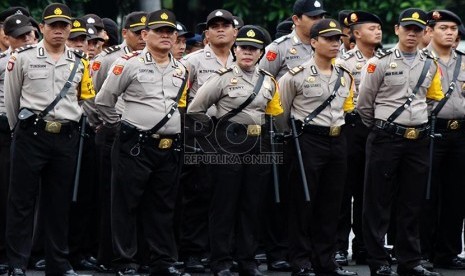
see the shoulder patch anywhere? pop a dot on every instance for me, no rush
(381, 53)
(112, 49)
(223, 71)
(347, 55)
(265, 72)
(131, 55)
(294, 71)
(24, 48)
(459, 52)
(281, 39)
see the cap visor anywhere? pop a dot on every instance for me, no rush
(186, 34)
(332, 33)
(137, 28)
(57, 19)
(409, 23)
(316, 13)
(217, 18)
(90, 37)
(76, 34)
(160, 25)
(248, 43)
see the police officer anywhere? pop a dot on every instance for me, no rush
(151, 83)
(236, 188)
(294, 49)
(307, 88)
(17, 35)
(392, 101)
(96, 23)
(201, 64)
(343, 20)
(447, 191)
(179, 47)
(78, 36)
(366, 28)
(94, 42)
(44, 147)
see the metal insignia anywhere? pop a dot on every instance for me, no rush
(463, 66)
(463, 86)
(393, 65)
(311, 79)
(266, 85)
(343, 81)
(178, 71)
(293, 51)
(233, 81)
(358, 66)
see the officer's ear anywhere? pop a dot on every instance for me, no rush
(123, 33)
(313, 42)
(396, 29)
(41, 27)
(144, 33)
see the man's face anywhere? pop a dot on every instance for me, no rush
(4, 44)
(346, 39)
(160, 39)
(409, 36)
(368, 33)
(304, 23)
(55, 33)
(22, 40)
(179, 47)
(221, 33)
(94, 47)
(79, 42)
(444, 33)
(326, 47)
(134, 39)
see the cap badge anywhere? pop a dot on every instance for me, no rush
(415, 15)
(346, 22)
(164, 16)
(58, 11)
(90, 20)
(353, 17)
(90, 31)
(317, 4)
(18, 21)
(393, 65)
(218, 13)
(143, 19)
(251, 33)
(178, 27)
(332, 24)
(293, 51)
(236, 22)
(76, 24)
(436, 15)
(18, 12)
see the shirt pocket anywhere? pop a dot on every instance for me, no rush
(313, 92)
(177, 81)
(395, 80)
(461, 82)
(343, 92)
(237, 93)
(39, 80)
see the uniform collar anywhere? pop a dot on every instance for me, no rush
(67, 56)
(295, 39)
(124, 46)
(148, 59)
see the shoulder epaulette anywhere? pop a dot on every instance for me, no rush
(3, 54)
(460, 52)
(382, 53)
(131, 55)
(428, 54)
(24, 48)
(347, 55)
(80, 53)
(112, 49)
(223, 71)
(265, 72)
(294, 71)
(281, 39)
(343, 68)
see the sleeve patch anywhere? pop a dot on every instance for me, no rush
(96, 65)
(118, 69)
(271, 56)
(371, 68)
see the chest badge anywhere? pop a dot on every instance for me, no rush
(293, 51)
(233, 81)
(393, 65)
(343, 81)
(178, 71)
(311, 79)
(358, 66)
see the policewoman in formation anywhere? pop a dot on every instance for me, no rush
(317, 94)
(243, 94)
(394, 87)
(43, 110)
(146, 152)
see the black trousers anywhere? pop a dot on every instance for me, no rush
(395, 175)
(83, 232)
(49, 159)
(5, 142)
(351, 212)
(448, 180)
(237, 190)
(313, 224)
(144, 185)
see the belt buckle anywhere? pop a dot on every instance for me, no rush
(52, 127)
(165, 143)
(453, 124)
(254, 130)
(411, 133)
(334, 130)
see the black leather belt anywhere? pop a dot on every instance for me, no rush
(158, 140)
(408, 132)
(450, 124)
(332, 131)
(49, 126)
